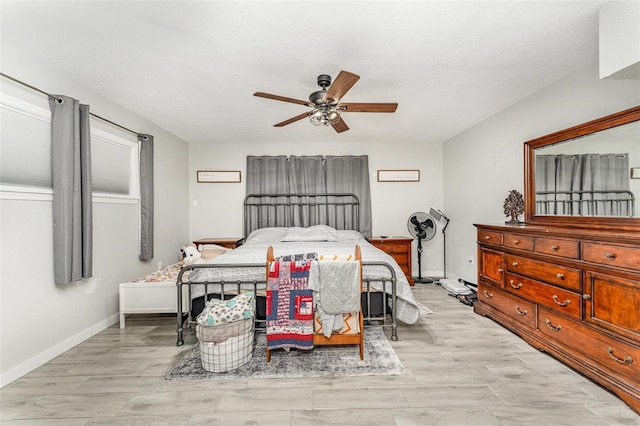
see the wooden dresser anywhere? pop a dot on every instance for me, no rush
(399, 248)
(574, 293)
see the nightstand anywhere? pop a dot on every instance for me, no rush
(229, 243)
(399, 248)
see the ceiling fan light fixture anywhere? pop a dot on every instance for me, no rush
(324, 115)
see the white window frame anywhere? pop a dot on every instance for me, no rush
(41, 193)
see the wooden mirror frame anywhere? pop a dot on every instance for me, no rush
(594, 222)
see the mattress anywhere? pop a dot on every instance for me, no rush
(234, 264)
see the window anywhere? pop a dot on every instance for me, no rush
(25, 160)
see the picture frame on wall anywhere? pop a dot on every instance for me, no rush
(219, 176)
(398, 175)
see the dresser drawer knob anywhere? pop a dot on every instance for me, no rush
(487, 237)
(487, 295)
(521, 313)
(626, 360)
(500, 270)
(554, 248)
(586, 296)
(552, 327)
(516, 242)
(565, 303)
(560, 276)
(514, 264)
(511, 282)
(610, 255)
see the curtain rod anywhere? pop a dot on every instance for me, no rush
(58, 99)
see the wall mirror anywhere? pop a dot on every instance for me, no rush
(587, 175)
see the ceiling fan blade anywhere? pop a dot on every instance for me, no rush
(340, 126)
(368, 107)
(292, 120)
(341, 85)
(282, 98)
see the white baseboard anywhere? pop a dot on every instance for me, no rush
(60, 348)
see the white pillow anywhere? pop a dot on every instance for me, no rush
(346, 236)
(266, 235)
(312, 233)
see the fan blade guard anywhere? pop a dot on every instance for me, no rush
(422, 226)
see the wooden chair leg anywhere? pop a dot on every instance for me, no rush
(268, 356)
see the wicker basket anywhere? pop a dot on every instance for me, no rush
(230, 354)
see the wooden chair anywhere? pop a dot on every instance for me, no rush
(334, 339)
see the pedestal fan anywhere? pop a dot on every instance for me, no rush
(421, 226)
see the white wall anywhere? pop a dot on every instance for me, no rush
(219, 210)
(482, 164)
(39, 320)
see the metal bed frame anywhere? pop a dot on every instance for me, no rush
(234, 287)
(340, 210)
(586, 203)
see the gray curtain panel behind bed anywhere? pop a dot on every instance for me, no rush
(146, 196)
(72, 190)
(311, 174)
(583, 184)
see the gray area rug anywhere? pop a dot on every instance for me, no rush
(322, 361)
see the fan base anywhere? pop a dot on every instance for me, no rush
(422, 280)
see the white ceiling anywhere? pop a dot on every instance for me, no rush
(192, 66)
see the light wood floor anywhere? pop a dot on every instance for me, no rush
(462, 369)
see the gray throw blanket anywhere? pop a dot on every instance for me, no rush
(337, 283)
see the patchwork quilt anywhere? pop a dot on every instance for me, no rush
(289, 305)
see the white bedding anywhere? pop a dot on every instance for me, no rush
(254, 251)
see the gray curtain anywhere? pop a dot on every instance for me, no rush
(72, 190)
(307, 175)
(568, 179)
(311, 174)
(351, 174)
(146, 197)
(545, 184)
(575, 184)
(267, 175)
(607, 172)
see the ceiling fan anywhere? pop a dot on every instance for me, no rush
(326, 105)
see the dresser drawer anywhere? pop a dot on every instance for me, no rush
(615, 355)
(489, 237)
(555, 298)
(522, 242)
(513, 306)
(612, 255)
(403, 262)
(558, 247)
(392, 249)
(548, 272)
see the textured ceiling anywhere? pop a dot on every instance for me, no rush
(192, 66)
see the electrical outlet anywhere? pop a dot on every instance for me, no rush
(194, 203)
(160, 264)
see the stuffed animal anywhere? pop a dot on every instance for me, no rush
(190, 255)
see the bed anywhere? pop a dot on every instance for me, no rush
(298, 224)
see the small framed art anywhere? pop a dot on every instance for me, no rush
(219, 176)
(398, 175)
